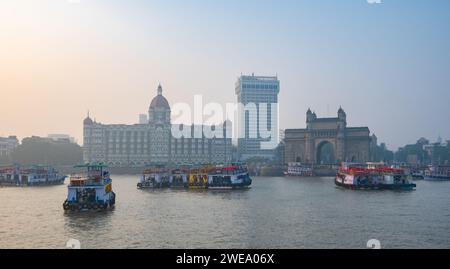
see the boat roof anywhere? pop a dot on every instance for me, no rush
(91, 165)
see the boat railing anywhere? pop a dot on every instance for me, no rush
(372, 171)
(83, 180)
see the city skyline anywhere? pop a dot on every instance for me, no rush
(60, 59)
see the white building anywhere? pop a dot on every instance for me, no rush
(263, 92)
(7, 145)
(152, 143)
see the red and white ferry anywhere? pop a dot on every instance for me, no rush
(372, 176)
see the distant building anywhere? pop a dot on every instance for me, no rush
(152, 143)
(261, 91)
(7, 145)
(423, 141)
(61, 137)
(281, 135)
(143, 119)
(424, 153)
(412, 159)
(327, 141)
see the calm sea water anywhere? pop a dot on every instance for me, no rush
(275, 213)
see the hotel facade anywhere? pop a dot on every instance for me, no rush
(152, 143)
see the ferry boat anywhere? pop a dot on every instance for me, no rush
(179, 178)
(198, 178)
(235, 176)
(10, 175)
(369, 177)
(437, 173)
(417, 174)
(154, 178)
(91, 190)
(296, 169)
(32, 176)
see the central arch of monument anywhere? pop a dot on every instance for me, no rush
(325, 152)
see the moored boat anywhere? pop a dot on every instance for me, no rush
(198, 178)
(296, 169)
(31, 176)
(364, 177)
(179, 178)
(417, 174)
(437, 173)
(235, 176)
(155, 178)
(91, 190)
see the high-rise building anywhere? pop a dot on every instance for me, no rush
(258, 129)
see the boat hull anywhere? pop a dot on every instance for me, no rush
(406, 186)
(17, 183)
(298, 174)
(152, 186)
(229, 187)
(95, 206)
(437, 178)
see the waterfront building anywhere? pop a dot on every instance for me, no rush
(7, 145)
(424, 152)
(143, 119)
(327, 141)
(260, 91)
(152, 143)
(61, 137)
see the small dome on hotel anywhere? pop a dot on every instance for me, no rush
(159, 101)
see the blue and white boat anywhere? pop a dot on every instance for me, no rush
(31, 176)
(235, 176)
(91, 190)
(155, 178)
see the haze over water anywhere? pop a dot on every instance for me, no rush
(386, 64)
(275, 213)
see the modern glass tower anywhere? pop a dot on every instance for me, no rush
(258, 128)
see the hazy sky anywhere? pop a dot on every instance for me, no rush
(387, 64)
